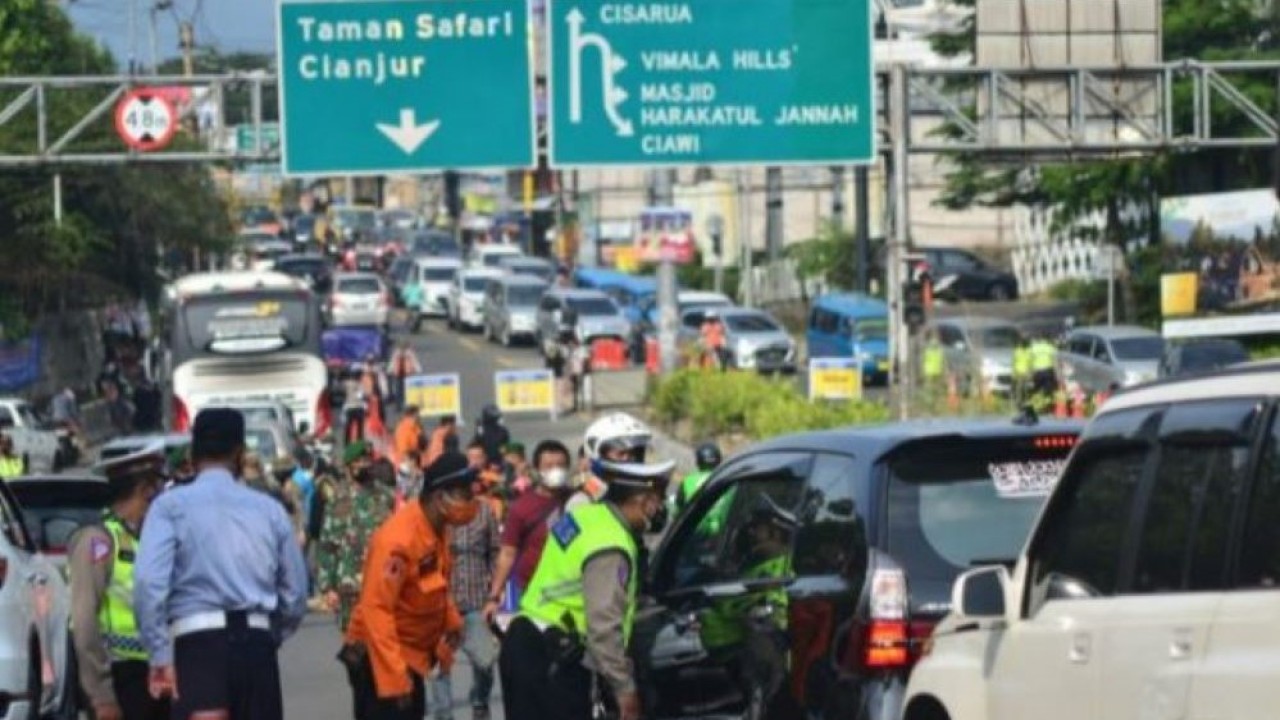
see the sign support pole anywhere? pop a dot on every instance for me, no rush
(667, 351)
(899, 353)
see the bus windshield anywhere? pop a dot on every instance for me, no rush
(244, 324)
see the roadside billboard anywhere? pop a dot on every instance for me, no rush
(1221, 269)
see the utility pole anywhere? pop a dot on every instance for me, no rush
(746, 271)
(156, 8)
(187, 41)
(773, 223)
(837, 197)
(862, 210)
(900, 359)
(133, 36)
(661, 190)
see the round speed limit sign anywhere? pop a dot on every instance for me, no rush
(145, 119)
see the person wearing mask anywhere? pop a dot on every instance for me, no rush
(527, 522)
(219, 584)
(12, 465)
(492, 433)
(109, 652)
(359, 506)
(474, 548)
(708, 458)
(405, 623)
(567, 649)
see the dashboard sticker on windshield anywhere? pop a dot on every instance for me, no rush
(1024, 479)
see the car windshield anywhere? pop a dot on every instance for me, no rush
(438, 274)
(300, 268)
(53, 510)
(259, 216)
(1138, 348)
(953, 505)
(1000, 338)
(474, 284)
(751, 323)
(359, 286)
(358, 219)
(542, 272)
(871, 329)
(592, 307)
(304, 222)
(1209, 356)
(261, 442)
(524, 296)
(260, 414)
(495, 259)
(244, 323)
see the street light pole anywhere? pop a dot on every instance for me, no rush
(715, 229)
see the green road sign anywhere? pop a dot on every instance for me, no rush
(399, 86)
(270, 137)
(705, 82)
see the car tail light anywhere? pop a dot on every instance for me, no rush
(882, 641)
(1048, 442)
(181, 416)
(324, 414)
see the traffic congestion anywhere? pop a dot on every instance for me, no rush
(307, 488)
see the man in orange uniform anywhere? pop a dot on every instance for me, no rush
(408, 437)
(405, 622)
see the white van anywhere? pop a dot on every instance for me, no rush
(435, 277)
(466, 297)
(1150, 584)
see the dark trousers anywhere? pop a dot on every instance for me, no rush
(353, 427)
(366, 705)
(530, 691)
(129, 680)
(232, 669)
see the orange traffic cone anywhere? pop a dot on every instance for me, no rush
(1077, 405)
(1060, 404)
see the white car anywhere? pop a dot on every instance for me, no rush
(1150, 584)
(435, 276)
(359, 299)
(489, 254)
(37, 665)
(466, 297)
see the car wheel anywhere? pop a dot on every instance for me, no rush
(1000, 292)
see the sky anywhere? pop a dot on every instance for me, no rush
(227, 25)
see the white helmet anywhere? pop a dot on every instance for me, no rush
(617, 431)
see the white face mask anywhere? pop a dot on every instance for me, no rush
(555, 478)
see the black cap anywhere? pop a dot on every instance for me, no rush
(449, 470)
(216, 433)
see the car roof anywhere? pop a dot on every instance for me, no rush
(742, 312)
(479, 271)
(140, 441)
(1251, 379)
(499, 249)
(1109, 332)
(295, 257)
(520, 280)
(358, 276)
(77, 477)
(851, 304)
(233, 281)
(974, 322)
(876, 441)
(584, 293)
(701, 296)
(526, 260)
(438, 262)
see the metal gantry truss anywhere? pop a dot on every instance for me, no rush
(1177, 106)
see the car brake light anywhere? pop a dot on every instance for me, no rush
(324, 414)
(1050, 442)
(181, 416)
(882, 641)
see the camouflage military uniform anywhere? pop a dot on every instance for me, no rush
(354, 512)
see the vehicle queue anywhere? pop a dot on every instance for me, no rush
(920, 570)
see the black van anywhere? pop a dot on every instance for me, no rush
(801, 578)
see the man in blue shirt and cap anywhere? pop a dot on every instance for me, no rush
(220, 572)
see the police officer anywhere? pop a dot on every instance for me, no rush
(220, 582)
(1044, 358)
(112, 660)
(405, 622)
(1022, 370)
(708, 458)
(933, 362)
(576, 615)
(12, 465)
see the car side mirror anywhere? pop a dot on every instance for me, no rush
(980, 593)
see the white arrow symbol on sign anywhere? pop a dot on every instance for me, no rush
(408, 135)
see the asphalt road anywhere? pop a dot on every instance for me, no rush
(315, 685)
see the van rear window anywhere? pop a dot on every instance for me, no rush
(958, 504)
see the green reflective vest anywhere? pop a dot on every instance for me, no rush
(554, 595)
(934, 360)
(1043, 355)
(10, 467)
(725, 623)
(1022, 361)
(690, 485)
(115, 614)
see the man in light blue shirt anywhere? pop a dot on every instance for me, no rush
(219, 571)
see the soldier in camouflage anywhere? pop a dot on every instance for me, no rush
(359, 505)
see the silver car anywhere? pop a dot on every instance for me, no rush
(597, 316)
(980, 348)
(540, 268)
(1100, 358)
(756, 340)
(359, 299)
(511, 308)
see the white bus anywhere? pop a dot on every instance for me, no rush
(244, 337)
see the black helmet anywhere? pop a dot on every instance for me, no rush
(708, 456)
(491, 413)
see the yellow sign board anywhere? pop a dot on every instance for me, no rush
(434, 395)
(1178, 293)
(525, 391)
(835, 379)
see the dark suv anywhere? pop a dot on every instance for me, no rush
(800, 578)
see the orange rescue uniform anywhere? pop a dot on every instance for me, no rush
(408, 437)
(405, 609)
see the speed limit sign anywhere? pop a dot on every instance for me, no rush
(145, 119)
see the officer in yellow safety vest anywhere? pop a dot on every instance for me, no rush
(112, 660)
(933, 361)
(565, 655)
(1044, 360)
(11, 464)
(1022, 369)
